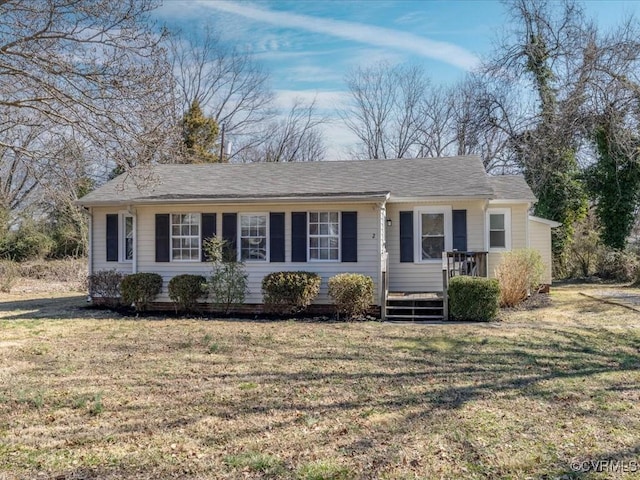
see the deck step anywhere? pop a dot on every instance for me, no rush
(414, 308)
(414, 317)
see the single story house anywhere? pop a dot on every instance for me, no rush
(390, 219)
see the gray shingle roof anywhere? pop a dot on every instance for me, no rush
(511, 187)
(420, 177)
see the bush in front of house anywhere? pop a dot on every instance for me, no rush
(289, 292)
(140, 289)
(352, 293)
(474, 298)
(519, 274)
(185, 290)
(105, 284)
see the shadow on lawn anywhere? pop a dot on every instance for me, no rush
(73, 306)
(417, 375)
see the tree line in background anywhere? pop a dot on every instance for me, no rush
(91, 89)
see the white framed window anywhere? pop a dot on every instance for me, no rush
(185, 237)
(254, 234)
(499, 228)
(324, 236)
(433, 232)
(126, 237)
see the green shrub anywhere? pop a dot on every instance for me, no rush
(105, 284)
(228, 281)
(519, 273)
(616, 265)
(185, 290)
(474, 298)
(29, 242)
(352, 293)
(289, 292)
(140, 289)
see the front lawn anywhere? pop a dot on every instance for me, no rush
(83, 395)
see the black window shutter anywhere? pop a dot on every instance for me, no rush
(459, 218)
(406, 236)
(230, 234)
(276, 237)
(298, 236)
(208, 231)
(163, 238)
(349, 235)
(112, 237)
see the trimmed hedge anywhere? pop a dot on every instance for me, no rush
(352, 293)
(474, 298)
(289, 292)
(185, 290)
(140, 289)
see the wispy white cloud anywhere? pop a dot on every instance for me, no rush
(326, 101)
(366, 34)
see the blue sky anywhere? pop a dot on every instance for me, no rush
(309, 46)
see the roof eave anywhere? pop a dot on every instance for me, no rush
(330, 198)
(437, 198)
(551, 223)
(512, 200)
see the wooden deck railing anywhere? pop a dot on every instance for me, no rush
(473, 264)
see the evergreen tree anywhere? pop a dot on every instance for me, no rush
(199, 135)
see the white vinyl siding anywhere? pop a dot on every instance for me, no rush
(99, 242)
(427, 276)
(540, 239)
(368, 247)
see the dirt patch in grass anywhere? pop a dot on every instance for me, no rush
(125, 398)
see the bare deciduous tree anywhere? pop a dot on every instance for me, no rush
(384, 112)
(18, 166)
(84, 66)
(294, 138)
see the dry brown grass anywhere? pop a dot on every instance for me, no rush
(43, 276)
(105, 397)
